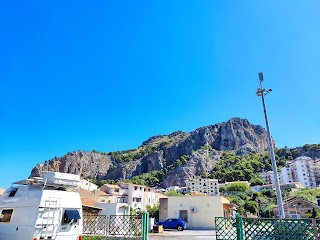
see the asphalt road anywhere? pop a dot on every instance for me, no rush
(185, 235)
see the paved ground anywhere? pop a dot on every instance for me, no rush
(185, 235)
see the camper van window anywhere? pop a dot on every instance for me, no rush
(5, 215)
(13, 192)
(70, 215)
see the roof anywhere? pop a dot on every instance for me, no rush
(111, 186)
(88, 202)
(102, 193)
(160, 195)
(291, 199)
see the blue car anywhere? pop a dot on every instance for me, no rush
(173, 223)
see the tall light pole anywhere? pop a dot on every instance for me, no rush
(262, 92)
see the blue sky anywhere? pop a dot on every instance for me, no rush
(107, 75)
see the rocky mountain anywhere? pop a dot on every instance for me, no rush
(198, 150)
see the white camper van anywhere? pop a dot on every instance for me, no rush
(42, 208)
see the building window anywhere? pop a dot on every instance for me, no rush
(6, 215)
(135, 188)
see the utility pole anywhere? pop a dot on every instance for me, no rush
(262, 92)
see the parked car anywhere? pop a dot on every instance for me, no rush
(173, 223)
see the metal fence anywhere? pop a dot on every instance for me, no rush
(125, 226)
(94, 225)
(266, 229)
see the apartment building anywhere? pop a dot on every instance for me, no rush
(268, 177)
(114, 194)
(316, 171)
(301, 169)
(136, 196)
(203, 185)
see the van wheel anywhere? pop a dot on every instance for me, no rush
(180, 228)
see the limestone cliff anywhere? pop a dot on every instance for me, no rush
(236, 135)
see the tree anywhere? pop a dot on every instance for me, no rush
(153, 211)
(257, 180)
(251, 206)
(237, 187)
(172, 193)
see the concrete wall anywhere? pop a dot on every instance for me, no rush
(89, 186)
(201, 211)
(113, 209)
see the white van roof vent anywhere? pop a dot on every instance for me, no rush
(64, 179)
(53, 179)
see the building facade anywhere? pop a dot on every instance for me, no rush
(268, 177)
(198, 212)
(203, 185)
(301, 169)
(136, 196)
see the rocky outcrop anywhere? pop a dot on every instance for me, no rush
(202, 146)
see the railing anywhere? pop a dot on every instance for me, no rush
(266, 229)
(124, 226)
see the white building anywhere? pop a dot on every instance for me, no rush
(86, 185)
(203, 185)
(295, 185)
(268, 177)
(136, 196)
(301, 169)
(198, 212)
(113, 208)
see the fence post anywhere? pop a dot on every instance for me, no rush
(315, 229)
(239, 227)
(107, 225)
(145, 227)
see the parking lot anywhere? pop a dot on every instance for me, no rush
(185, 235)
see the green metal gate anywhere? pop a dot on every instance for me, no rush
(266, 229)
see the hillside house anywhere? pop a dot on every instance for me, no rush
(296, 207)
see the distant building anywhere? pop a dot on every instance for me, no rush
(88, 207)
(136, 196)
(113, 208)
(89, 186)
(295, 185)
(203, 185)
(296, 207)
(268, 177)
(301, 169)
(178, 189)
